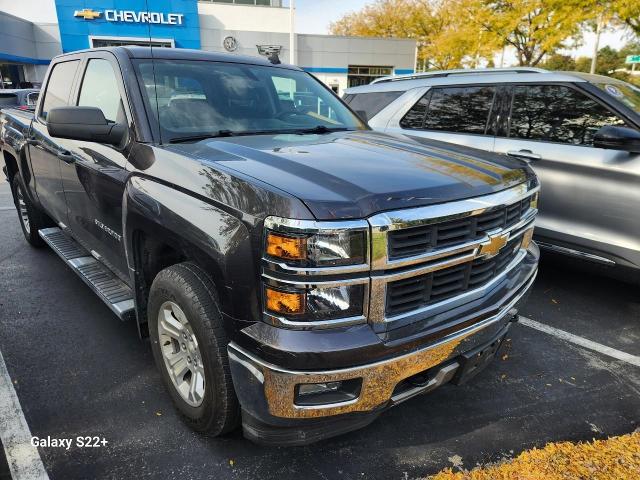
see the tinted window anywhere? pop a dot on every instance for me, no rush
(372, 103)
(557, 113)
(59, 86)
(459, 109)
(100, 89)
(623, 92)
(415, 117)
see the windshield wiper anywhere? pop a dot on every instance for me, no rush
(320, 129)
(204, 136)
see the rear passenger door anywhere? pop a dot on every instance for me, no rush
(587, 193)
(455, 114)
(44, 150)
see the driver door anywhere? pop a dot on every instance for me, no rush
(93, 174)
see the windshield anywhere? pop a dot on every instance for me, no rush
(200, 99)
(623, 92)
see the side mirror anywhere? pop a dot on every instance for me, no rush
(617, 138)
(83, 123)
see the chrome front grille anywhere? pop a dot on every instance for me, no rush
(426, 238)
(430, 288)
(429, 259)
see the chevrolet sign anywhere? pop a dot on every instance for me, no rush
(130, 16)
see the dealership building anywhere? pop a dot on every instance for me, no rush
(248, 27)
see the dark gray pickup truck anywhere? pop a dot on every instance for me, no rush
(294, 270)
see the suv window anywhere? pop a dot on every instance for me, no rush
(100, 89)
(59, 86)
(557, 113)
(371, 103)
(453, 109)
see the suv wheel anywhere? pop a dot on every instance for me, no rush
(31, 219)
(190, 348)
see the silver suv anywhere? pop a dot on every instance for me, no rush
(580, 132)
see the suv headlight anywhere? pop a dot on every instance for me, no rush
(298, 256)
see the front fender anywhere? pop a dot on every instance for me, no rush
(216, 240)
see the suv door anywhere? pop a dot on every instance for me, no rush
(587, 193)
(44, 150)
(94, 176)
(455, 114)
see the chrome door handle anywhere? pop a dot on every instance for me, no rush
(525, 154)
(66, 157)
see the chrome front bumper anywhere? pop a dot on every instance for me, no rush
(267, 391)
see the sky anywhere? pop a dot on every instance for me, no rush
(312, 16)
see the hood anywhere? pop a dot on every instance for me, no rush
(357, 174)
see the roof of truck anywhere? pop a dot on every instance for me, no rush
(164, 53)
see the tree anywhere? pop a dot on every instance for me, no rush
(444, 40)
(628, 11)
(534, 28)
(559, 62)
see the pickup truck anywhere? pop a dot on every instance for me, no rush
(294, 271)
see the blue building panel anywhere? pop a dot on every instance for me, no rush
(175, 20)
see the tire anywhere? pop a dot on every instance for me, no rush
(30, 217)
(212, 409)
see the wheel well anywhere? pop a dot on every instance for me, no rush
(153, 252)
(151, 257)
(12, 165)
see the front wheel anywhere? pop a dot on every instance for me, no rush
(31, 219)
(190, 348)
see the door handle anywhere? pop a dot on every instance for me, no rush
(525, 154)
(66, 157)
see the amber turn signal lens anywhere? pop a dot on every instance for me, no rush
(284, 302)
(526, 238)
(534, 200)
(289, 248)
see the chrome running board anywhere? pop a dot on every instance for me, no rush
(575, 253)
(112, 291)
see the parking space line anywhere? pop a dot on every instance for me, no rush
(582, 342)
(23, 458)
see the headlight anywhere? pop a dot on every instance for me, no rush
(316, 244)
(315, 303)
(315, 273)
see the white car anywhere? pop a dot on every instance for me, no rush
(580, 132)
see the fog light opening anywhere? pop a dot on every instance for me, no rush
(326, 393)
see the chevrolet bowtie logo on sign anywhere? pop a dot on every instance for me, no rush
(494, 245)
(87, 14)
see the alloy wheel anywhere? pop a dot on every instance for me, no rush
(22, 210)
(181, 353)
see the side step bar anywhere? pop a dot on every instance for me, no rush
(111, 290)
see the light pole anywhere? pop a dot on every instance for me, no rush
(292, 33)
(594, 59)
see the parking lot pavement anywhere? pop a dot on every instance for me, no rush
(77, 371)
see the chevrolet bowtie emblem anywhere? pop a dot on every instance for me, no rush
(494, 245)
(87, 14)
